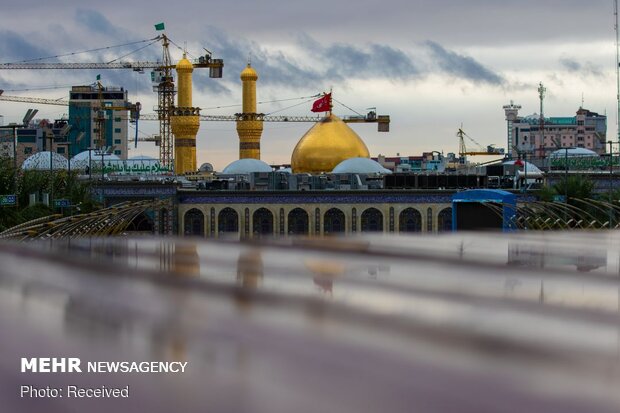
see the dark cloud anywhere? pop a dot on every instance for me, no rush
(461, 66)
(585, 69)
(15, 47)
(95, 22)
(335, 62)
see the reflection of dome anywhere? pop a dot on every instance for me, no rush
(325, 145)
(360, 166)
(560, 153)
(206, 167)
(246, 166)
(249, 74)
(41, 161)
(82, 160)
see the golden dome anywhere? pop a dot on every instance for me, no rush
(325, 145)
(249, 73)
(185, 65)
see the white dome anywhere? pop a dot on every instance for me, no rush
(360, 166)
(138, 160)
(560, 153)
(41, 161)
(246, 166)
(82, 159)
(530, 166)
(285, 171)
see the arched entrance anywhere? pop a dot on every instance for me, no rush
(298, 222)
(372, 220)
(227, 221)
(334, 221)
(410, 220)
(262, 222)
(194, 223)
(444, 220)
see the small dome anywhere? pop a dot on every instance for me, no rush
(325, 145)
(41, 162)
(206, 167)
(360, 166)
(82, 160)
(572, 152)
(530, 166)
(246, 166)
(249, 73)
(184, 64)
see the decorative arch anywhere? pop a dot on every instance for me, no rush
(194, 223)
(410, 220)
(334, 221)
(444, 220)
(143, 223)
(262, 222)
(372, 220)
(227, 220)
(298, 222)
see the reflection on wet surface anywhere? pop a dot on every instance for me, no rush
(483, 322)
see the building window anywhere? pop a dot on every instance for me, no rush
(60, 149)
(27, 150)
(117, 119)
(117, 130)
(228, 220)
(117, 152)
(117, 141)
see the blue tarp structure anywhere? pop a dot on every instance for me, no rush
(506, 200)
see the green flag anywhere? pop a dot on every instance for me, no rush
(98, 77)
(159, 26)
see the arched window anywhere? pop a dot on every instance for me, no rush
(334, 221)
(444, 220)
(298, 221)
(372, 220)
(194, 223)
(410, 220)
(263, 222)
(228, 221)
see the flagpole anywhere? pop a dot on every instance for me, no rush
(330, 101)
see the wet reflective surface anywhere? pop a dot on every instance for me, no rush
(465, 322)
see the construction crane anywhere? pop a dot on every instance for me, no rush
(383, 121)
(463, 152)
(162, 76)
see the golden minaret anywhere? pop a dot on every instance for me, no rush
(249, 128)
(184, 121)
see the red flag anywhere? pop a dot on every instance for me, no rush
(519, 162)
(323, 104)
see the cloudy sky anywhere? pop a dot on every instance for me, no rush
(431, 65)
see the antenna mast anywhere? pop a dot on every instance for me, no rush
(541, 95)
(617, 70)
